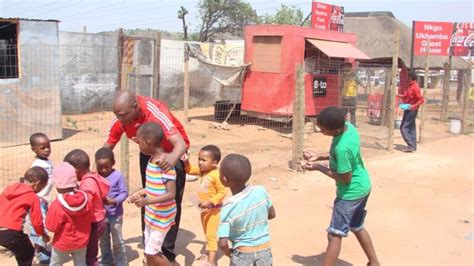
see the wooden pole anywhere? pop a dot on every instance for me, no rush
(465, 106)
(186, 84)
(298, 119)
(124, 150)
(446, 89)
(119, 58)
(156, 67)
(393, 89)
(425, 92)
(385, 101)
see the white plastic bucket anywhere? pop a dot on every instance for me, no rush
(455, 126)
(398, 122)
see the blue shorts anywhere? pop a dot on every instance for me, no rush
(348, 215)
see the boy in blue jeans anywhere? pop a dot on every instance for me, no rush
(352, 180)
(118, 193)
(249, 208)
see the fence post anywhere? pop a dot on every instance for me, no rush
(124, 151)
(186, 84)
(465, 106)
(393, 88)
(298, 119)
(446, 85)
(156, 67)
(425, 91)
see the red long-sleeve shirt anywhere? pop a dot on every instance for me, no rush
(15, 202)
(413, 96)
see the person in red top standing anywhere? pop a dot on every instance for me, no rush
(413, 97)
(131, 112)
(15, 201)
(68, 218)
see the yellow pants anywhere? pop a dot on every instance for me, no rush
(210, 222)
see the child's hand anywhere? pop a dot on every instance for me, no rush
(309, 166)
(315, 166)
(109, 201)
(141, 202)
(185, 156)
(309, 155)
(132, 198)
(206, 205)
(45, 238)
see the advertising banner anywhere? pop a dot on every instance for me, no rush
(443, 38)
(327, 17)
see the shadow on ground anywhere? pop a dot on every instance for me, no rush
(316, 260)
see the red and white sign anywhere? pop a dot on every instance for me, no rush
(327, 17)
(462, 39)
(443, 38)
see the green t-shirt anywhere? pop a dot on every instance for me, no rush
(344, 157)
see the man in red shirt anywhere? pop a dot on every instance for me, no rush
(131, 112)
(413, 97)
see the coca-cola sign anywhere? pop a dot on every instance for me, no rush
(327, 17)
(443, 38)
(462, 39)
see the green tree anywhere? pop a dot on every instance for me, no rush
(287, 15)
(224, 16)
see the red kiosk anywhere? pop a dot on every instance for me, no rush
(273, 52)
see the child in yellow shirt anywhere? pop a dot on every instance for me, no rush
(211, 195)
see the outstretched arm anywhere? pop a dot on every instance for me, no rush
(344, 178)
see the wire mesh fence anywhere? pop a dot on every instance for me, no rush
(77, 98)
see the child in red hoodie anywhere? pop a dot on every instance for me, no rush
(68, 218)
(96, 188)
(15, 202)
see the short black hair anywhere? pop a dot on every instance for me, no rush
(78, 159)
(151, 131)
(331, 118)
(412, 75)
(35, 136)
(214, 151)
(237, 168)
(105, 153)
(36, 173)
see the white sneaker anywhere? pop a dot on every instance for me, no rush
(191, 178)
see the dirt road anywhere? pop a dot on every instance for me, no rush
(420, 211)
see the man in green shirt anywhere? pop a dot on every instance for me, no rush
(352, 180)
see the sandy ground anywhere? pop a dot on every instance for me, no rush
(420, 211)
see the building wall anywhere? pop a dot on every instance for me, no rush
(88, 71)
(31, 102)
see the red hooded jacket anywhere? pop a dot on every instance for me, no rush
(70, 220)
(15, 202)
(97, 188)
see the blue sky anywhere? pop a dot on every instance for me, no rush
(102, 15)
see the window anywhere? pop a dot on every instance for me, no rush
(266, 55)
(8, 50)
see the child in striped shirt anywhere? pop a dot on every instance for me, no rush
(158, 196)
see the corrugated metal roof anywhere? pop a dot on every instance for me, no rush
(30, 19)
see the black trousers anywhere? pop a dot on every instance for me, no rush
(170, 239)
(18, 243)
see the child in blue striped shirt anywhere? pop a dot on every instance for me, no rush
(244, 216)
